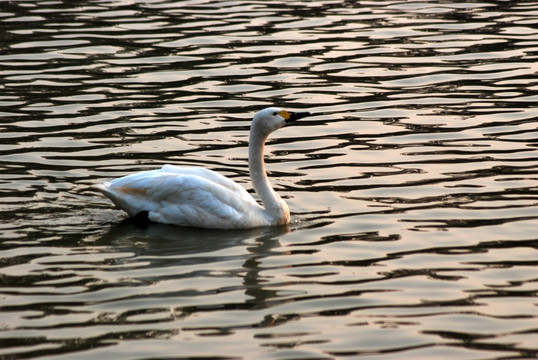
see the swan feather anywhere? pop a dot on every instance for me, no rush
(186, 196)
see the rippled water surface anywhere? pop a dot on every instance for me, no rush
(413, 188)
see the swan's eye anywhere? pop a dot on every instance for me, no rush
(275, 113)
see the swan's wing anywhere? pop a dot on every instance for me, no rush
(184, 198)
(206, 174)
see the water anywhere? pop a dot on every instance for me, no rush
(413, 188)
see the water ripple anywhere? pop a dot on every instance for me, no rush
(412, 188)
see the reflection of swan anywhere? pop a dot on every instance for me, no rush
(190, 196)
(160, 243)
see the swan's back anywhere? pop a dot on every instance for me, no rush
(186, 196)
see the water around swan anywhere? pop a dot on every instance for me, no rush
(413, 189)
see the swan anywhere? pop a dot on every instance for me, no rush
(199, 197)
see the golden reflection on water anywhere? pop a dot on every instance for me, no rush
(412, 188)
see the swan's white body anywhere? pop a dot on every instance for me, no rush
(198, 197)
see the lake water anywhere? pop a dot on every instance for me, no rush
(413, 188)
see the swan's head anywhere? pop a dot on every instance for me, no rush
(273, 118)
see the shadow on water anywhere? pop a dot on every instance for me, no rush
(167, 240)
(118, 267)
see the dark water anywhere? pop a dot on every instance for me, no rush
(413, 190)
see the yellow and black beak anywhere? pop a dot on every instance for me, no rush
(291, 116)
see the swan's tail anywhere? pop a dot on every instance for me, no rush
(104, 188)
(117, 197)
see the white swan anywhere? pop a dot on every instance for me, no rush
(198, 197)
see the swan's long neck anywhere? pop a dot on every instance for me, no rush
(275, 207)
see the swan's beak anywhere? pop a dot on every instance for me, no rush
(294, 116)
